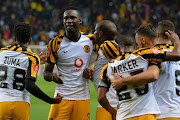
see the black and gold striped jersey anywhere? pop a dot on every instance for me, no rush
(34, 60)
(17, 63)
(109, 49)
(54, 46)
(152, 55)
(164, 46)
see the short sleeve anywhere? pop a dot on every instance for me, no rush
(52, 49)
(110, 49)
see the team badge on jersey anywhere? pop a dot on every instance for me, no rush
(78, 62)
(48, 52)
(155, 51)
(86, 48)
(36, 68)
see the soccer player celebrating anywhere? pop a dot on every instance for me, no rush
(167, 87)
(18, 71)
(135, 95)
(71, 53)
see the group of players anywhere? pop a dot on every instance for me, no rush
(124, 85)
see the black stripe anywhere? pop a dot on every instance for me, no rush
(48, 61)
(16, 48)
(114, 54)
(54, 54)
(61, 37)
(24, 48)
(37, 61)
(10, 46)
(28, 75)
(104, 74)
(114, 44)
(122, 57)
(4, 49)
(156, 56)
(107, 53)
(91, 38)
(58, 42)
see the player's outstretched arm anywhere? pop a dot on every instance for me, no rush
(143, 78)
(175, 54)
(36, 91)
(49, 76)
(104, 101)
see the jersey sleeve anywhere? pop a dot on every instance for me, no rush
(110, 49)
(52, 49)
(33, 68)
(105, 82)
(96, 48)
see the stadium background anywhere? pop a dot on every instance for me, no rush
(46, 19)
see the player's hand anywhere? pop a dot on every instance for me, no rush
(56, 78)
(116, 82)
(88, 73)
(57, 99)
(173, 36)
(42, 58)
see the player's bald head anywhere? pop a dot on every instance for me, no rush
(107, 27)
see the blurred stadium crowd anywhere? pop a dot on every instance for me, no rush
(46, 15)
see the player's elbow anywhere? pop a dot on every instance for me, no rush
(47, 76)
(154, 76)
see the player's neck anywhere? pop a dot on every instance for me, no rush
(163, 41)
(73, 36)
(23, 44)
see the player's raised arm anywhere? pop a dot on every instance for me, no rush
(175, 54)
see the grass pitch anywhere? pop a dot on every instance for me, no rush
(40, 109)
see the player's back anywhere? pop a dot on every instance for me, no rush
(167, 87)
(107, 51)
(15, 60)
(134, 100)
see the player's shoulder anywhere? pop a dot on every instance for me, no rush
(88, 35)
(110, 43)
(164, 46)
(58, 39)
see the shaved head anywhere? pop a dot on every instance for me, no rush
(108, 28)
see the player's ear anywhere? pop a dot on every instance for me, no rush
(80, 21)
(100, 33)
(143, 40)
(30, 40)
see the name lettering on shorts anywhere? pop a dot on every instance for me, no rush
(12, 61)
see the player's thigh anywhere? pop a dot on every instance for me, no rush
(61, 111)
(21, 111)
(81, 110)
(143, 117)
(5, 110)
(103, 114)
(169, 119)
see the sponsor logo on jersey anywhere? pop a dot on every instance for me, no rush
(86, 48)
(155, 51)
(12, 61)
(48, 52)
(36, 68)
(78, 62)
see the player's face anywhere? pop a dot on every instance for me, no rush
(71, 20)
(97, 39)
